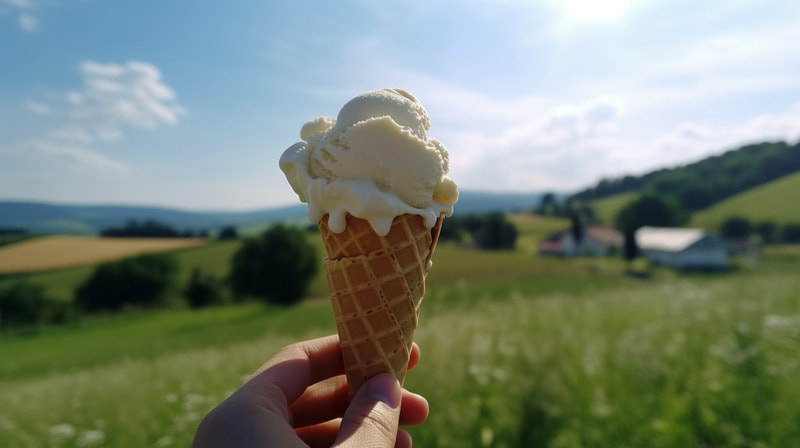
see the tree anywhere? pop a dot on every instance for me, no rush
(736, 228)
(576, 227)
(650, 209)
(548, 206)
(630, 250)
(277, 267)
(22, 304)
(228, 233)
(203, 290)
(493, 231)
(767, 230)
(790, 233)
(137, 281)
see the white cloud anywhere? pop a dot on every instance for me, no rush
(690, 140)
(29, 22)
(38, 108)
(113, 99)
(21, 4)
(573, 145)
(551, 152)
(115, 96)
(56, 151)
(26, 20)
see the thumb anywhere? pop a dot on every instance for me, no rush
(373, 416)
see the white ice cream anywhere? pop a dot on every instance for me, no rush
(375, 162)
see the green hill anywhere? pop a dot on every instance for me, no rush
(774, 201)
(607, 208)
(704, 183)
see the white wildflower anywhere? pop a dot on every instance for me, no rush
(62, 431)
(193, 401)
(91, 437)
(6, 424)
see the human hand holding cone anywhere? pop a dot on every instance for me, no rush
(377, 284)
(376, 185)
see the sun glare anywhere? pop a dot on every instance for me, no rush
(594, 10)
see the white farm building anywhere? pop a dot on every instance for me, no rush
(682, 248)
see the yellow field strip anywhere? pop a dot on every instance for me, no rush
(52, 252)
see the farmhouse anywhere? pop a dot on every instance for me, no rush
(682, 248)
(595, 241)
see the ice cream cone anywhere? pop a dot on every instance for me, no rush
(377, 284)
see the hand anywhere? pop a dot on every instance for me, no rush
(300, 397)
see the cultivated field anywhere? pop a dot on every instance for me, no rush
(517, 350)
(52, 252)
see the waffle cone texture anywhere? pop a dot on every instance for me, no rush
(376, 287)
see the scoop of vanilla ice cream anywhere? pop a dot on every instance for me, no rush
(381, 136)
(375, 161)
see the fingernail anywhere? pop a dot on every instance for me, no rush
(386, 389)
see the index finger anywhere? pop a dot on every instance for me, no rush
(297, 366)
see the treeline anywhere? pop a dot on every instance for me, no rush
(491, 231)
(150, 229)
(276, 267)
(699, 185)
(740, 228)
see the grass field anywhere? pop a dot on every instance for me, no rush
(607, 209)
(681, 361)
(517, 350)
(775, 201)
(52, 252)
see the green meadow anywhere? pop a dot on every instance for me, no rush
(517, 350)
(606, 209)
(774, 201)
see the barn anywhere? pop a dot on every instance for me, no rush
(682, 248)
(595, 241)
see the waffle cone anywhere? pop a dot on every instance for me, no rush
(376, 287)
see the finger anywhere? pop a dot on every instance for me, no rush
(414, 409)
(372, 418)
(321, 402)
(297, 366)
(403, 439)
(413, 358)
(329, 400)
(320, 435)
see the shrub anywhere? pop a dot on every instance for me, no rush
(137, 281)
(277, 267)
(26, 304)
(203, 290)
(21, 304)
(494, 232)
(736, 228)
(790, 233)
(228, 233)
(767, 230)
(489, 231)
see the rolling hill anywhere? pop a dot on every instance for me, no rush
(45, 218)
(774, 201)
(702, 184)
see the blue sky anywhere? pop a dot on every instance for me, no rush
(190, 104)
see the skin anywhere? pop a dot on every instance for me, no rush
(300, 398)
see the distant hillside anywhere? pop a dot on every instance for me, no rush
(89, 220)
(606, 209)
(706, 182)
(775, 201)
(37, 217)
